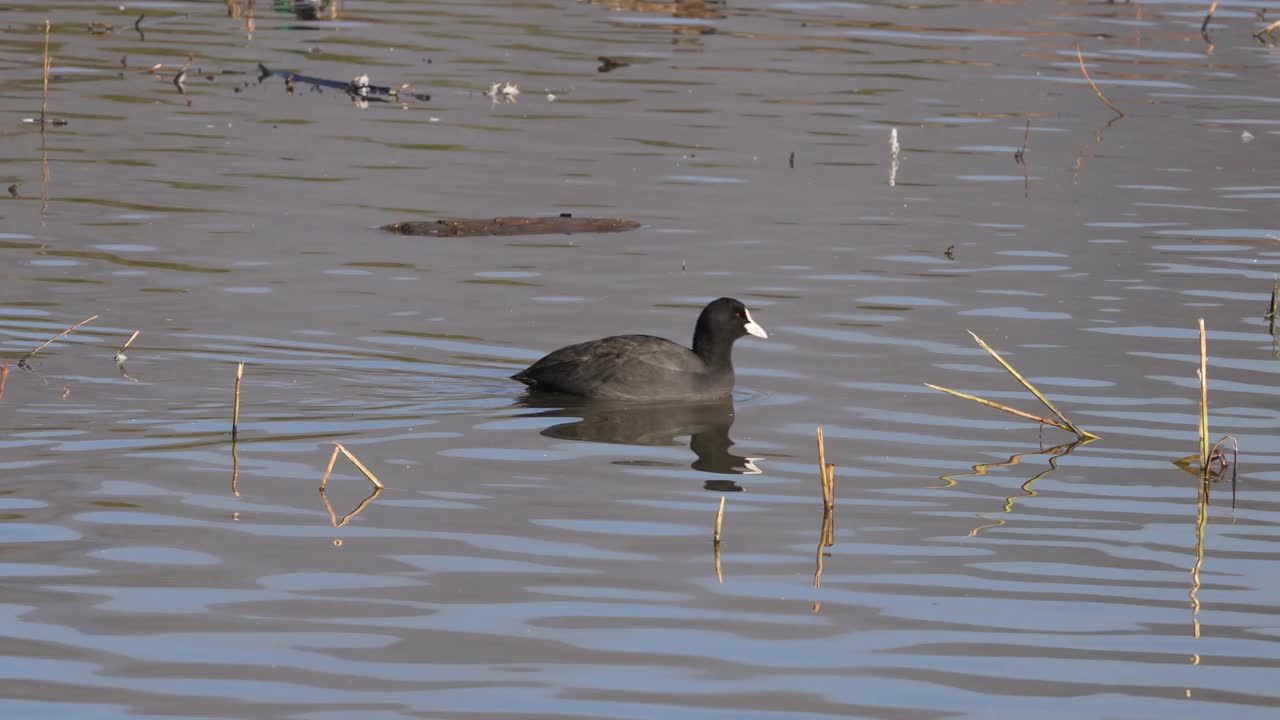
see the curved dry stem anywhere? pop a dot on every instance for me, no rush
(1092, 84)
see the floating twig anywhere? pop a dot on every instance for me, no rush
(23, 362)
(1092, 84)
(4, 375)
(235, 410)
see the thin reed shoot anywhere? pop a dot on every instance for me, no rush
(828, 474)
(1274, 306)
(1092, 84)
(235, 410)
(1204, 26)
(48, 65)
(23, 362)
(338, 448)
(120, 356)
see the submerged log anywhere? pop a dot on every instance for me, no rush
(480, 227)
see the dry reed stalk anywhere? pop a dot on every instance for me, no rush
(1275, 304)
(23, 362)
(44, 101)
(827, 472)
(998, 406)
(1267, 30)
(1204, 403)
(44, 126)
(4, 375)
(367, 473)
(120, 357)
(1031, 389)
(1092, 84)
(1204, 26)
(829, 511)
(235, 410)
(332, 459)
(715, 537)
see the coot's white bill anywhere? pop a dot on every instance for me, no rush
(753, 328)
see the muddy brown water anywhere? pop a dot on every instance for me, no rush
(541, 561)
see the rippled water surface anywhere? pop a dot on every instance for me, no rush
(535, 560)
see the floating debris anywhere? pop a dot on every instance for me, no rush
(481, 227)
(358, 89)
(371, 92)
(608, 64)
(503, 92)
(1246, 137)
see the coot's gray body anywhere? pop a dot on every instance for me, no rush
(644, 367)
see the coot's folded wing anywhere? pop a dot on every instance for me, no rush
(621, 361)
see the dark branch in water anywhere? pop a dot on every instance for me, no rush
(483, 227)
(372, 93)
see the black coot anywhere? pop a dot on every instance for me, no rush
(644, 367)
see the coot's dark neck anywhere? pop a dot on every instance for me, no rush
(714, 348)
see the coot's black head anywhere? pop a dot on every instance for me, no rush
(721, 322)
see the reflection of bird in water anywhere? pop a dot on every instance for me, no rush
(698, 9)
(309, 9)
(706, 424)
(685, 35)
